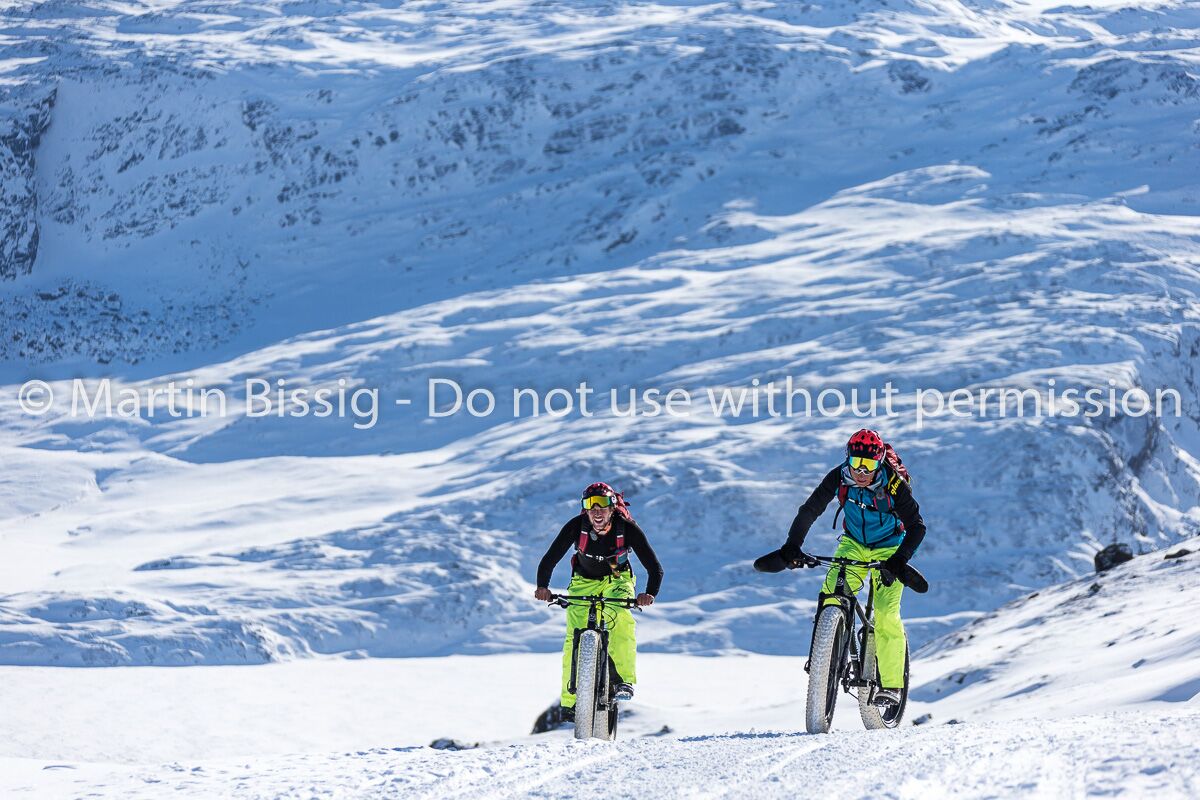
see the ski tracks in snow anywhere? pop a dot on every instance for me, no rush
(1138, 754)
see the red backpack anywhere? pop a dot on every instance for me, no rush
(623, 507)
(899, 473)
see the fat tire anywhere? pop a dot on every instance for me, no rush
(829, 640)
(873, 718)
(604, 721)
(586, 676)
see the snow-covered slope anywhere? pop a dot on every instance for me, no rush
(1070, 693)
(647, 196)
(1127, 646)
(1123, 639)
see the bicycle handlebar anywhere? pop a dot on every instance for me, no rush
(563, 600)
(849, 562)
(910, 577)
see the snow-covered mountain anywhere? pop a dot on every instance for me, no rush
(935, 194)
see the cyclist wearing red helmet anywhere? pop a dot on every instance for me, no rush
(880, 522)
(603, 534)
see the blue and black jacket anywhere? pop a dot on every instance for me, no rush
(884, 514)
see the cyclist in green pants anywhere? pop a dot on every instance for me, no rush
(603, 534)
(881, 522)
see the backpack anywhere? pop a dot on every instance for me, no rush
(620, 556)
(899, 474)
(623, 507)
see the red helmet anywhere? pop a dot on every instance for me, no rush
(865, 443)
(599, 490)
(618, 502)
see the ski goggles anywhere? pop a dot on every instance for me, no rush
(863, 464)
(597, 501)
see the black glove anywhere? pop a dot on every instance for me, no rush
(804, 560)
(893, 568)
(771, 562)
(794, 557)
(779, 560)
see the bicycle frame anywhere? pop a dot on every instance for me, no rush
(843, 640)
(595, 622)
(850, 606)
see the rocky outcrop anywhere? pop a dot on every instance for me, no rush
(19, 136)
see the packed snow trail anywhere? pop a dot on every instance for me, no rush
(1139, 754)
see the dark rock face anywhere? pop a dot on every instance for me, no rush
(19, 136)
(1111, 556)
(77, 318)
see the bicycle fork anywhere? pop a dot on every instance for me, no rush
(856, 641)
(604, 676)
(843, 597)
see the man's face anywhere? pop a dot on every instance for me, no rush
(599, 517)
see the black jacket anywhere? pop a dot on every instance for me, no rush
(605, 545)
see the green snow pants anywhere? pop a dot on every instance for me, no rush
(622, 642)
(889, 629)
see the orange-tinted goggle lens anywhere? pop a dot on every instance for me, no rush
(597, 501)
(859, 462)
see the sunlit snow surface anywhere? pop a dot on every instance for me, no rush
(1041, 698)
